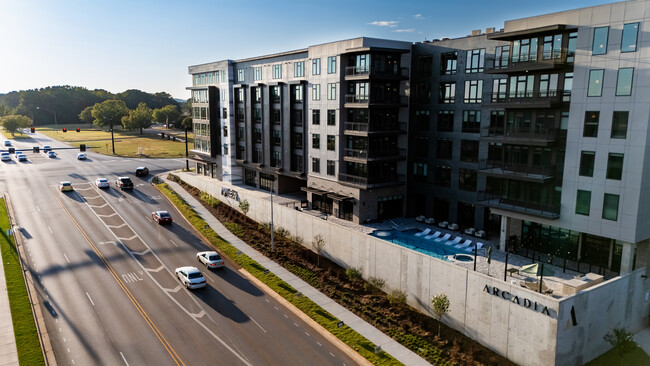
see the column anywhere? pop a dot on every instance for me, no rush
(627, 258)
(503, 237)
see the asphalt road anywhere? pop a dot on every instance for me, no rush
(105, 272)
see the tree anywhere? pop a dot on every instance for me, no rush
(4, 110)
(167, 114)
(109, 113)
(138, 118)
(318, 243)
(622, 341)
(440, 307)
(13, 122)
(86, 115)
(244, 206)
(187, 123)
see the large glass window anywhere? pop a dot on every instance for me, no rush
(275, 94)
(571, 47)
(240, 75)
(469, 151)
(315, 165)
(473, 91)
(583, 202)
(448, 63)
(315, 117)
(444, 148)
(499, 90)
(524, 50)
(424, 65)
(547, 85)
(331, 142)
(447, 92)
(615, 166)
(624, 81)
(315, 92)
(297, 93)
(331, 65)
(331, 117)
(599, 46)
(442, 175)
(595, 88)
(628, 40)
(257, 73)
(619, 124)
(587, 159)
(471, 121)
(475, 61)
(315, 66)
(467, 179)
(502, 54)
(610, 207)
(331, 91)
(299, 69)
(277, 71)
(331, 167)
(591, 124)
(521, 86)
(445, 121)
(315, 141)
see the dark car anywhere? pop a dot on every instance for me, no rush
(141, 171)
(162, 217)
(124, 183)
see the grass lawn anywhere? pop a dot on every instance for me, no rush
(27, 342)
(612, 358)
(126, 142)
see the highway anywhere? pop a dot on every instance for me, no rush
(105, 273)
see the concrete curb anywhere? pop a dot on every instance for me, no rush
(34, 299)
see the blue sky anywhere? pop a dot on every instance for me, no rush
(148, 45)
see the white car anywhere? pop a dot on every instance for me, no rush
(7, 143)
(190, 277)
(51, 154)
(46, 148)
(210, 259)
(81, 156)
(102, 183)
(21, 157)
(4, 156)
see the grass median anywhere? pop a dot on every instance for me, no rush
(346, 334)
(27, 341)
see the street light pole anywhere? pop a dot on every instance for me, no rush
(56, 123)
(187, 154)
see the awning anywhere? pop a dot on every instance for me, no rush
(339, 197)
(202, 159)
(313, 190)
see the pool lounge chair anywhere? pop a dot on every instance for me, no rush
(455, 241)
(433, 236)
(425, 232)
(420, 218)
(465, 244)
(444, 238)
(470, 249)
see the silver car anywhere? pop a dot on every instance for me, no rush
(190, 277)
(210, 259)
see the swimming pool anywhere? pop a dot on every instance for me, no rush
(407, 239)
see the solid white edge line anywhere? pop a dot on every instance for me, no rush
(66, 258)
(176, 245)
(124, 358)
(91, 300)
(258, 324)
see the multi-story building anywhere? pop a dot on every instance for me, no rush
(329, 120)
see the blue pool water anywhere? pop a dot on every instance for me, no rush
(407, 239)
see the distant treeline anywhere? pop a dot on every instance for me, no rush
(68, 102)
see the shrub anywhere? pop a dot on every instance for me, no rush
(440, 307)
(281, 232)
(234, 228)
(304, 273)
(354, 274)
(396, 297)
(209, 199)
(244, 206)
(374, 283)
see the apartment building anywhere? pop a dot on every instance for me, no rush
(329, 120)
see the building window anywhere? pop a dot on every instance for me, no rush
(524, 50)
(420, 172)
(422, 120)
(257, 135)
(571, 47)
(547, 85)
(257, 156)
(425, 65)
(595, 88)
(297, 93)
(331, 65)
(471, 121)
(331, 167)
(299, 69)
(591, 124)
(628, 40)
(619, 124)
(473, 91)
(315, 141)
(225, 149)
(499, 90)
(445, 121)
(583, 202)
(467, 179)
(448, 63)
(276, 115)
(444, 148)
(315, 117)
(447, 93)
(442, 175)
(331, 91)
(469, 151)
(240, 75)
(315, 165)
(624, 81)
(615, 166)
(225, 131)
(277, 71)
(422, 146)
(315, 92)
(521, 86)
(551, 47)
(587, 159)
(275, 94)
(277, 137)
(257, 95)
(331, 142)
(475, 61)
(502, 54)
(331, 117)
(422, 93)
(297, 140)
(239, 95)
(257, 114)
(224, 112)
(258, 73)
(315, 66)
(599, 46)
(610, 207)
(240, 134)
(276, 159)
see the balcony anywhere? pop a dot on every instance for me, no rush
(548, 61)
(367, 72)
(356, 100)
(521, 136)
(365, 128)
(366, 183)
(530, 208)
(364, 155)
(517, 171)
(551, 99)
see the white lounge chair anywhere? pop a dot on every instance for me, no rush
(429, 221)
(420, 218)
(465, 244)
(444, 238)
(455, 241)
(433, 236)
(425, 232)
(452, 227)
(470, 249)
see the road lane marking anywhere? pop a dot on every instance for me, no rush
(66, 258)
(148, 250)
(116, 227)
(331, 354)
(50, 229)
(176, 245)
(307, 334)
(38, 208)
(318, 343)
(124, 358)
(91, 300)
(258, 324)
(285, 315)
(155, 270)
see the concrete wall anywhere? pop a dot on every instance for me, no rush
(526, 327)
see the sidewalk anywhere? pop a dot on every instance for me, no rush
(388, 345)
(8, 352)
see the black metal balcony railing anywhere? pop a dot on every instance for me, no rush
(365, 99)
(375, 127)
(516, 169)
(375, 154)
(523, 134)
(547, 61)
(551, 211)
(368, 182)
(367, 70)
(528, 97)
(355, 98)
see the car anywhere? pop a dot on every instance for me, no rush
(7, 143)
(65, 186)
(47, 148)
(141, 171)
(190, 277)
(162, 217)
(102, 183)
(21, 157)
(210, 259)
(81, 156)
(4, 156)
(124, 183)
(51, 154)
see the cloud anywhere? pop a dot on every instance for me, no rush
(385, 23)
(404, 30)
(418, 16)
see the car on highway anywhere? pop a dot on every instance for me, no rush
(4, 156)
(210, 259)
(102, 183)
(7, 143)
(65, 186)
(124, 183)
(161, 217)
(190, 277)
(51, 154)
(21, 157)
(141, 171)
(47, 148)
(81, 156)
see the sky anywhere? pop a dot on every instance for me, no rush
(148, 44)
